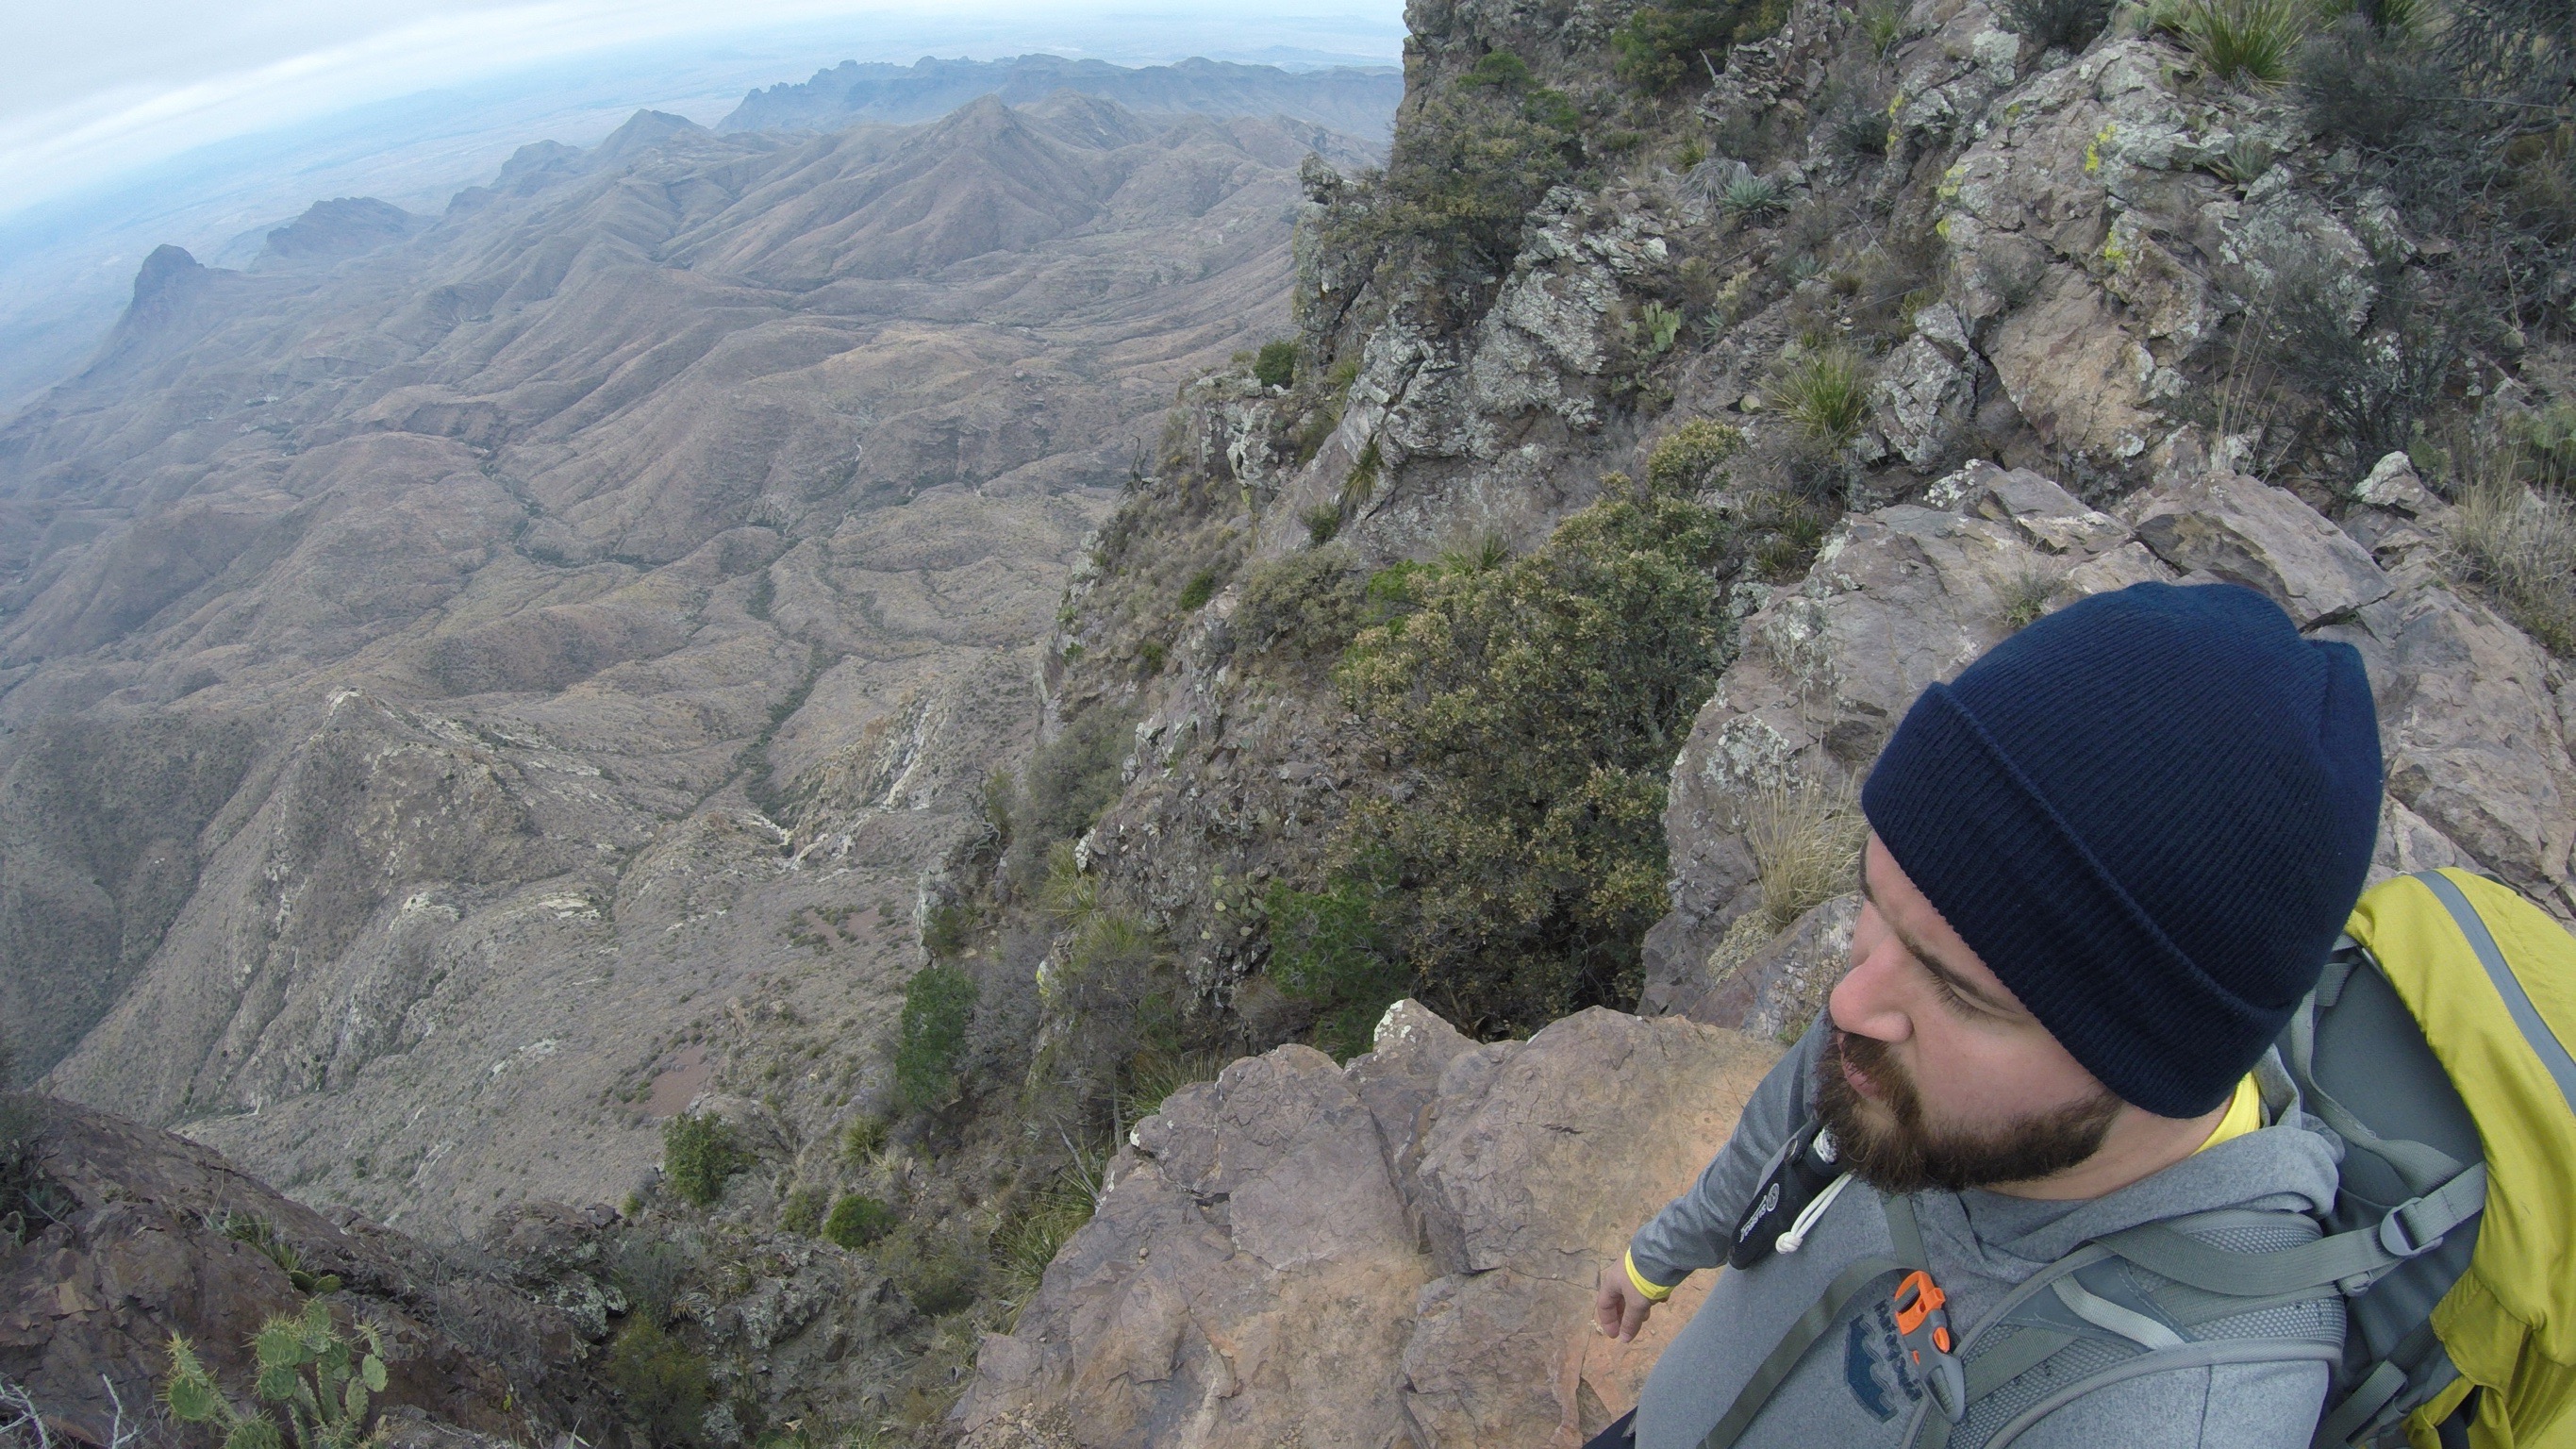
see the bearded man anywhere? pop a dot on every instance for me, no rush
(2104, 865)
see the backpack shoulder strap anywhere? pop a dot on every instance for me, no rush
(2090, 1320)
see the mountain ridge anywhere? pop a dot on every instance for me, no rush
(1358, 101)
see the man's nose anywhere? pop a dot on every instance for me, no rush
(1871, 999)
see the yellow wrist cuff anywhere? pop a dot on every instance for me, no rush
(1655, 1292)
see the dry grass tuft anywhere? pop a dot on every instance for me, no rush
(2521, 546)
(1806, 839)
(2025, 596)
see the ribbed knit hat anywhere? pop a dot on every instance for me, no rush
(2150, 814)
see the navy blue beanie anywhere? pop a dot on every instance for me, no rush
(2150, 814)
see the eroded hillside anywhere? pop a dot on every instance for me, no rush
(468, 678)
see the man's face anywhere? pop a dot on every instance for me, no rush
(1937, 1076)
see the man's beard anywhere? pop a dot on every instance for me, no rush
(1911, 1155)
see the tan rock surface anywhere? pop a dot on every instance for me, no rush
(1252, 1277)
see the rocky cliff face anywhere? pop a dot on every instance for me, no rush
(471, 688)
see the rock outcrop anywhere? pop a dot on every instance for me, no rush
(2477, 761)
(156, 1235)
(1402, 1250)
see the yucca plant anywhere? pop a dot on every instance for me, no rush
(1828, 397)
(2249, 42)
(320, 1377)
(1751, 196)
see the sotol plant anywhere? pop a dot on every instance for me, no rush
(319, 1377)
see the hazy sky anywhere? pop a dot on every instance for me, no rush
(95, 88)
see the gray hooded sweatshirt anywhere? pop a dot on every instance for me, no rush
(1855, 1388)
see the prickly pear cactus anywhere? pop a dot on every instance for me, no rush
(321, 1378)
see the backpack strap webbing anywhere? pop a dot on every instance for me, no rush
(1811, 1325)
(2344, 1261)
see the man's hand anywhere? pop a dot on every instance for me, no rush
(1619, 1310)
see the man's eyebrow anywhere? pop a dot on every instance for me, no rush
(1950, 974)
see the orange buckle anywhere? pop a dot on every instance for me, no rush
(1916, 1299)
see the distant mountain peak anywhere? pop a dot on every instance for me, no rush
(1357, 101)
(643, 129)
(341, 227)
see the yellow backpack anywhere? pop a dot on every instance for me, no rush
(2437, 1043)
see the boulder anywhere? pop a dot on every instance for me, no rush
(2392, 484)
(1924, 394)
(1252, 1236)
(2244, 531)
(2470, 728)
(1252, 1275)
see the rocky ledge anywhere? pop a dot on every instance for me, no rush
(1400, 1250)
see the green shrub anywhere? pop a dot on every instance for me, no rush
(2067, 24)
(698, 1154)
(260, 1233)
(1658, 46)
(863, 1139)
(666, 1387)
(1196, 593)
(858, 1221)
(649, 1272)
(2361, 85)
(1462, 175)
(1277, 364)
(1538, 706)
(1686, 460)
(937, 1003)
(947, 926)
(1304, 606)
(1882, 24)
(321, 1379)
(29, 1200)
(1751, 196)
(938, 1269)
(1322, 522)
(802, 1213)
(2546, 438)
(1828, 397)
(1154, 1076)
(2025, 596)
(1044, 1222)
(2522, 548)
(1073, 777)
(2365, 387)
(1333, 949)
